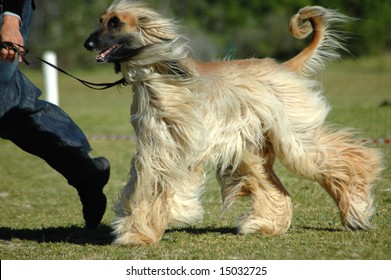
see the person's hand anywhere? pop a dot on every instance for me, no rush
(9, 31)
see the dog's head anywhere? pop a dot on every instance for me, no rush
(126, 29)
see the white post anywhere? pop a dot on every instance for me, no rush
(51, 78)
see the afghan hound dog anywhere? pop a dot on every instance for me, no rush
(234, 117)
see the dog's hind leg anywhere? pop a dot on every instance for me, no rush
(349, 170)
(345, 168)
(271, 211)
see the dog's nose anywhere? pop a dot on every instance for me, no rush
(89, 45)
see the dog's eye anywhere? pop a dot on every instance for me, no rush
(114, 22)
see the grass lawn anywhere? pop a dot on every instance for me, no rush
(40, 215)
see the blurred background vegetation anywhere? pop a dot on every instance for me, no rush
(216, 28)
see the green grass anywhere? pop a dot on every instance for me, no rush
(40, 215)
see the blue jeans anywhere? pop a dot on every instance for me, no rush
(37, 126)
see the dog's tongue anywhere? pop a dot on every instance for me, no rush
(103, 55)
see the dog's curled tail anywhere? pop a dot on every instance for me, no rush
(325, 42)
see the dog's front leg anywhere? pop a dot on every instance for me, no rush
(142, 210)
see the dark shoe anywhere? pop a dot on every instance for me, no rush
(91, 193)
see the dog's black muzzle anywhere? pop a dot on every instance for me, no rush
(90, 44)
(113, 51)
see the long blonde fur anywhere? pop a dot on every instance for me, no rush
(236, 116)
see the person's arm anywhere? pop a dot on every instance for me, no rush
(9, 30)
(13, 7)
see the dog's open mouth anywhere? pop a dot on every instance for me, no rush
(104, 55)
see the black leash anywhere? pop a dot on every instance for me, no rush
(96, 86)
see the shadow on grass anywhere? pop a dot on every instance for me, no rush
(82, 236)
(74, 234)
(234, 231)
(206, 230)
(102, 234)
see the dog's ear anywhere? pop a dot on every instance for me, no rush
(117, 67)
